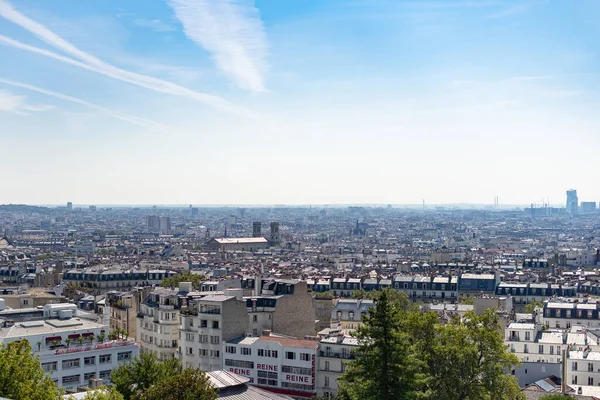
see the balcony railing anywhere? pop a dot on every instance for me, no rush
(344, 356)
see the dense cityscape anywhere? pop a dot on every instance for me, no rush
(270, 297)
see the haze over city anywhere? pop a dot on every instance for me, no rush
(298, 102)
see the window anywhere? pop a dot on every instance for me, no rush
(574, 366)
(214, 340)
(105, 358)
(203, 323)
(231, 349)
(89, 360)
(189, 351)
(125, 356)
(105, 374)
(74, 363)
(274, 353)
(89, 375)
(590, 381)
(50, 366)
(267, 374)
(574, 380)
(305, 356)
(70, 379)
(351, 315)
(203, 338)
(326, 384)
(290, 355)
(541, 349)
(215, 324)
(326, 366)
(239, 364)
(299, 370)
(268, 382)
(215, 353)
(247, 351)
(203, 353)
(590, 367)
(255, 318)
(254, 332)
(527, 335)
(190, 337)
(525, 349)
(296, 386)
(551, 349)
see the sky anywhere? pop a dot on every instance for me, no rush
(299, 101)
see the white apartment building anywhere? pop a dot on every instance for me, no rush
(277, 364)
(335, 351)
(206, 323)
(567, 313)
(157, 327)
(69, 347)
(530, 344)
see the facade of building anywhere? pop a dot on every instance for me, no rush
(347, 313)
(426, 288)
(208, 321)
(103, 279)
(335, 351)
(572, 202)
(281, 305)
(564, 314)
(278, 364)
(72, 350)
(157, 327)
(238, 244)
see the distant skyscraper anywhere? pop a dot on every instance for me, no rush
(92, 208)
(588, 207)
(152, 222)
(69, 206)
(572, 201)
(194, 211)
(165, 224)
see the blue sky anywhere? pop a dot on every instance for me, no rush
(298, 101)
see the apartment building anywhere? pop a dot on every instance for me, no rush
(347, 313)
(562, 313)
(72, 350)
(114, 278)
(207, 322)
(427, 288)
(123, 308)
(278, 364)
(345, 286)
(157, 327)
(282, 305)
(336, 349)
(524, 293)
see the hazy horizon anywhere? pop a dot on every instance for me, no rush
(305, 102)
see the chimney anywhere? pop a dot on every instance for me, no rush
(266, 332)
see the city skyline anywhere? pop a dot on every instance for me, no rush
(341, 102)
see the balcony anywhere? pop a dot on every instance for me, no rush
(343, 356)
(166, 307)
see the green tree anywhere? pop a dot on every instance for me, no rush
(469, 360)
(386, 366)
(190, 384)
(187, 276)
(466, 300)
(103, 393)
(324, 295)
(139, 375)
(530, 307)
(21, 375)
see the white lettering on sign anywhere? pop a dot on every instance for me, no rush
(296, 378)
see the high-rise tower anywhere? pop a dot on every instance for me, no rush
(256, 227)
(275, 237)
(572, 202)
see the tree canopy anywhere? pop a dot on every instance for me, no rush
(530, 308)
(140, 374)
(191, 384)
(187, 276)
(407, 354)
(21, 375)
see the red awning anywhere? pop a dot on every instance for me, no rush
(51, 338)
(88, 334)
(74, 336)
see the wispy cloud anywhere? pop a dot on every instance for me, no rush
(16, 104)
(515, 9)
(156, 25)
(94, 64)
(13, 104)
(232, 31)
